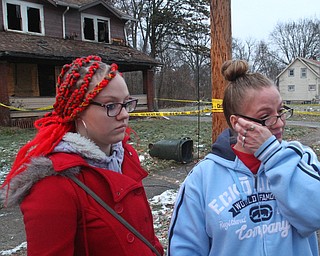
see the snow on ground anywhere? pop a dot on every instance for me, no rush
(162, 208)
(14, 250)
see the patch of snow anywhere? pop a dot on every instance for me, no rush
(141, 158)
(14, 250)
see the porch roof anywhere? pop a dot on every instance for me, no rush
(19, 47)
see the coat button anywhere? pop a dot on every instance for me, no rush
(118, 208)
(130, 238)
(138, 191)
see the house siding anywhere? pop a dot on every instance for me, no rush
(117, 30)
(73, 24)
(1, 17)
(53, 21)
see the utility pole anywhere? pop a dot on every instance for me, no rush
(221, 42)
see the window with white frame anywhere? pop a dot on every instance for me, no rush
(95, 28)
(303, 73)
(23, 16)
(312, 87)
(291, 72)
(291, 88)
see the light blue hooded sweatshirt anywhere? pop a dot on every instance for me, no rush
(223, 209)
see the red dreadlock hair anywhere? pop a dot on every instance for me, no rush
(72, 97)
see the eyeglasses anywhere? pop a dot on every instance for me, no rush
(114, 109)
(271, 120)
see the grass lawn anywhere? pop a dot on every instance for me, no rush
(148, 130)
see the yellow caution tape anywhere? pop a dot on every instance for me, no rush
(10, 107)
(314, 113)
(216, 103)
(175, 113)
(24, 109)
(187, 101)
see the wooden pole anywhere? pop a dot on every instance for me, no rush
(148, 87)
(4, 97)
(221, 41)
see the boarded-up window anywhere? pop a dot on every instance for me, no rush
(26, 81)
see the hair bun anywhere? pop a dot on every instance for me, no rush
(231, 70)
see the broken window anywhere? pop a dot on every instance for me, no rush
(33, 20)
(23, 16)
(88, 29)
(14, 17)
(96, 29)
(103, 31)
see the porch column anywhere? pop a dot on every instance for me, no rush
(4, 97)
(148, 80)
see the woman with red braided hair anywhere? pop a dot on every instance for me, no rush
(85, 136)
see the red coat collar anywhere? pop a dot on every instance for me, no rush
(120, 184)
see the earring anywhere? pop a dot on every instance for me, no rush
(85, 126)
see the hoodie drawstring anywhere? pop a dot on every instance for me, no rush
(235, 178)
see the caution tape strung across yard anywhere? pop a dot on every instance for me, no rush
(175, 113)
(216, 107)
(24, 109)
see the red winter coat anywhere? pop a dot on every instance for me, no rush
(61, 219)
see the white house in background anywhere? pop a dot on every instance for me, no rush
(299, 82)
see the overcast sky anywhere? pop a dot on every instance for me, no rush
(257, 18)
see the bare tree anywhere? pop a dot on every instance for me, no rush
(264, 61)
(258, 54)
(135, 31)
(296, 39)
(243, 50)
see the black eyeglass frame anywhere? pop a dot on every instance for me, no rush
(263, 121)
(123, 105)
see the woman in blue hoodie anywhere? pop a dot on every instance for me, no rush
(254, 194)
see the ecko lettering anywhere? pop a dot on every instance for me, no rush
(225, 199)
(232, 193)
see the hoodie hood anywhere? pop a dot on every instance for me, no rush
(222, 146)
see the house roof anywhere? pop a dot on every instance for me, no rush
(19, 46)
(84, 4)
(309, 63)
